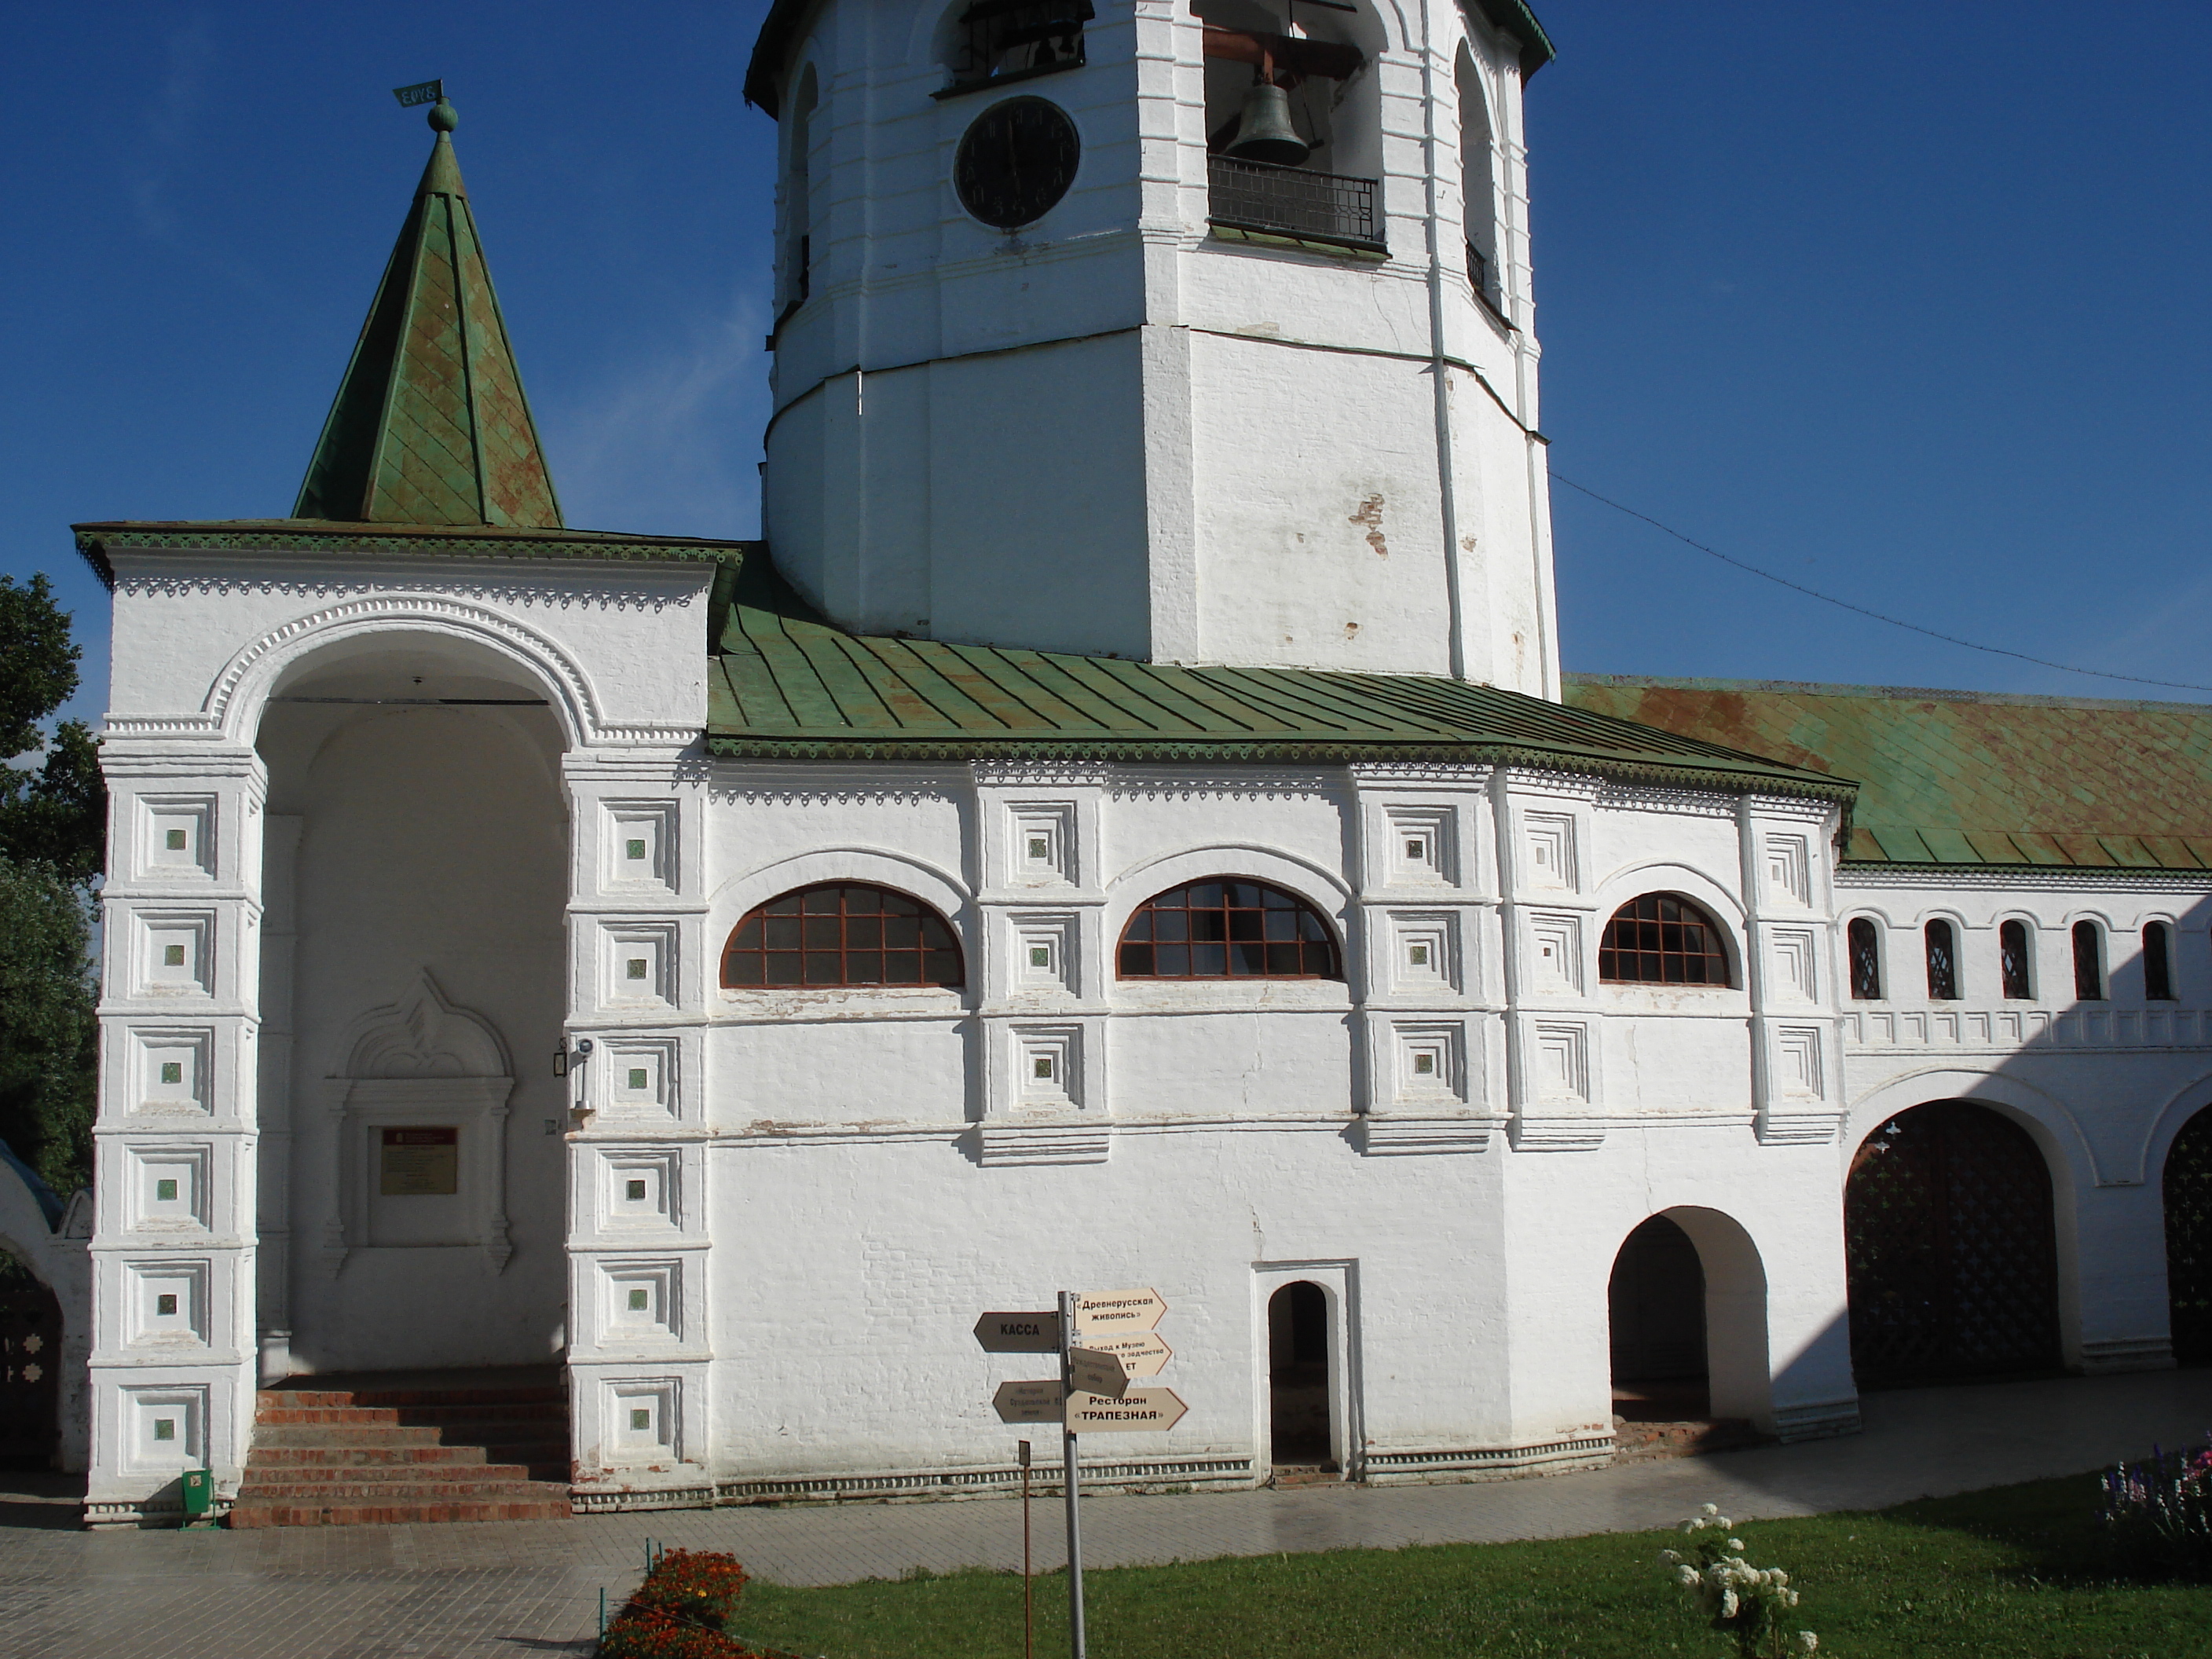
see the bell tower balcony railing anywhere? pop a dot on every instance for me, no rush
(1293, 202)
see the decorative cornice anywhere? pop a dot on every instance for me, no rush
(1861, 876)
(565, 597)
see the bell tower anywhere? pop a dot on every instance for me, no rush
(1187, 330)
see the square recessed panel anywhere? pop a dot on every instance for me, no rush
(640, 964)
(641, 1301)
(1424, 951)
(165, 1303)
(1421, 848)
(641, 1189)
(163, 1429)
(1549, 852)
(174, 953)
(641, 844)
(1048, 1066)
(169, 1068)
(167, 1187)
(1429, 1061)
(643, 1422)
(1044, 953)
(638, 1076)
(1042, 843)
(176, 837)
(1555, 943)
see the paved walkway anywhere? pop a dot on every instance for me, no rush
(525, 1587)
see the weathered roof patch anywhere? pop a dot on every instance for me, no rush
(1952, 778)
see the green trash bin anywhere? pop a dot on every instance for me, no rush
(199, 1494)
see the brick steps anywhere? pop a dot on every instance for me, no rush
(1641, 1442)
(383, 1455)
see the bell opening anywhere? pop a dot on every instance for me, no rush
(1264, 132)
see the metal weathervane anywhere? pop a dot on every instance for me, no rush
(423, 92)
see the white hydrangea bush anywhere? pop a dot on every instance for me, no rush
(1747, 1602)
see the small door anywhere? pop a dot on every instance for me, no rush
(1297, 1377)
(30, 1374)
(2188, 1192)
(1656, 1305)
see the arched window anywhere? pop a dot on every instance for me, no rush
(1227, 929)
(2158, 962)
(1663, 939)
(2013, 960)
(1942, 962)
(2088, 964)
(1478, 182)
(987, 41)
(798, 197)
(841, 934)
(1866, 960)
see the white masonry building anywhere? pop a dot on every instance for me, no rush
(1119, 827)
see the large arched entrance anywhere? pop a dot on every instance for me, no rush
(1655, 1308)
(30, 1369)
(1950, 1249)
(2188, 1194)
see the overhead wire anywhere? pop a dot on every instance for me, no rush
(1860, 609)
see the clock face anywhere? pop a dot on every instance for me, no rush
(1016, 161)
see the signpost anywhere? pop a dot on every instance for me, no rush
(1103, 1339)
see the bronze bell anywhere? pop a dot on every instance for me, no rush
(1264, 132)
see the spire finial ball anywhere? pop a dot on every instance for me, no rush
(443, 117)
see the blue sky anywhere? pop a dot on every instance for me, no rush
(1901, 301)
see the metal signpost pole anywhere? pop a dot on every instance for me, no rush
(1069, 1480)
(1029, 1624)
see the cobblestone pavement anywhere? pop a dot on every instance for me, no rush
(524, 1588)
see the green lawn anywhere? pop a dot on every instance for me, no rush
(2010, 1572)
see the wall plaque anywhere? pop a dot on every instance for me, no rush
(420, 1164)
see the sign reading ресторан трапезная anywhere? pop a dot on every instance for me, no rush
(1138, 1409)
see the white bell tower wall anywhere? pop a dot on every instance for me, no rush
(1155, 420)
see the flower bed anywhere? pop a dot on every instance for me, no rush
(2158, 1512)
(681, 1610)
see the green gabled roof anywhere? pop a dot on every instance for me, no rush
(787, 685)
(430, 426)
(1954, 778)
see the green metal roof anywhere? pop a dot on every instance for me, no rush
(1956, 778)
(785, 684)
(480, 541)
(431, 425)
(772, 46)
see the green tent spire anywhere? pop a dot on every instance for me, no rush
(431, 425)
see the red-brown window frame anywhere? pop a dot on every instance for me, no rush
(1311, 933)
(843, 931)
(1660, 937)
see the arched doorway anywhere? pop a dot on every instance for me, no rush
(1951, 1253)
(1655, 1308)
(2188, 1194)
(1298, 1378)
(30, 1369)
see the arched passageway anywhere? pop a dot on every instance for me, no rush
(1951, 1252)
(1656, 1306)
(1297, 1377)
(2187, 1189)
(30, 1369)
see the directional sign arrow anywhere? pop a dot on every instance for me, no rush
(1091, 1371)
(1027, 1402)
(1109, 1313)
(1019, 1332)
(1142, 1354)
(1138, 1411)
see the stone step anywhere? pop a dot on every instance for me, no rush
(322, 1494)
(1636, 1443)
(260, 1472)
(473, 1411)
(298, 1434)
(324, 1399)
(333, 1457)
(440, 1512)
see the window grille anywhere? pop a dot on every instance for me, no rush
(841, 933)
(1866, 961)
(1663, 939)
(1292, 201)
(1014, 39)
(2012, 960)
(2088, 964)
(1942, 962)
(2158, 962)
(1227, 930)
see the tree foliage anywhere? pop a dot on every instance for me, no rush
(56, 815)
(53, 820)
(48, 1035)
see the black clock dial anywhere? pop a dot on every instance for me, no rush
(1016, 161)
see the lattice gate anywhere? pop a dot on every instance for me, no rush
(30, 1377)
(1950, 1248)
(2189, 1239)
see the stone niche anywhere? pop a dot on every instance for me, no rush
(419, 1132)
